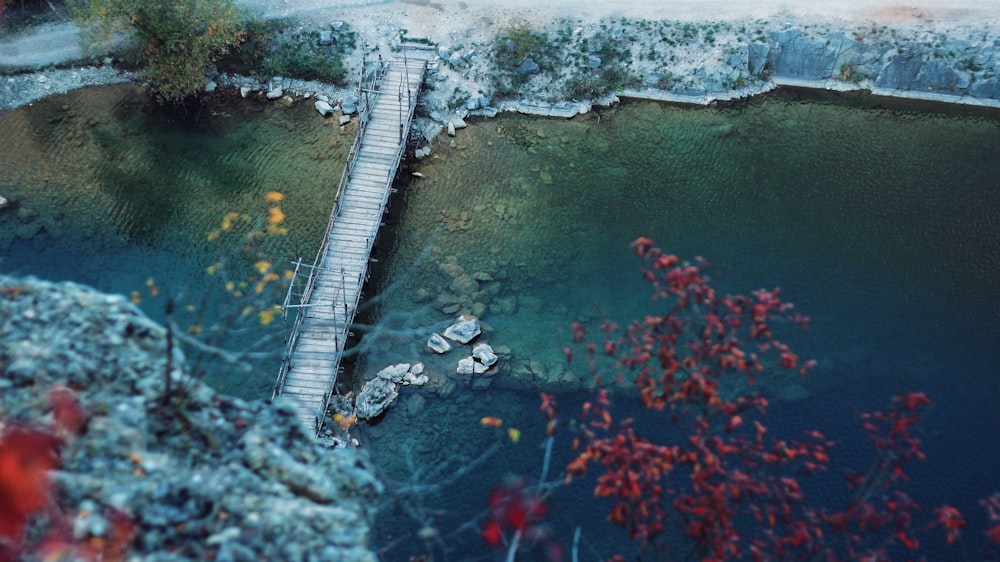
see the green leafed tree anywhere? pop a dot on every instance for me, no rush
(178, 40)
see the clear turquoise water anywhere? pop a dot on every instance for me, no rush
(879, 222)
(111, 193)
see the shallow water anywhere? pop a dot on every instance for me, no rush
(111, 193)
(879, 223)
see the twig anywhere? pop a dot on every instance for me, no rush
(228, 356)
(576, 544)
(170, 352)
(514, 545)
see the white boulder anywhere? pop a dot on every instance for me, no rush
(437, 344)
(464, 330)
(484, 355)
(323, 108)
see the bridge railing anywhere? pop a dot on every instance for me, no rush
(370, 86)
(369, 241)
(365, 100)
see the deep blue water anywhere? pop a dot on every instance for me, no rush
(878, 220)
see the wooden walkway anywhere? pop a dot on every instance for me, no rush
(329, 291)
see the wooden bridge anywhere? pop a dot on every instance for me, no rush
(326, 294)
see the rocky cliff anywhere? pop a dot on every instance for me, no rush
(200, 476)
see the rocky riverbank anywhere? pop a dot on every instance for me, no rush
(203, 476)
(560, 67)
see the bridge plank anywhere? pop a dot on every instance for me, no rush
(343, 267)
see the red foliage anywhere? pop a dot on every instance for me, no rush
(726, 467)
(516, 519)
(992, 505)
(727, 486)
(27, 454)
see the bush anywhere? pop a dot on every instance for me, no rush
(179, 41)
(303, 57)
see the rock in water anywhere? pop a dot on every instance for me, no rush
(464, 330)
(484, 355)
(323, 108)
(469, 366)
(437, 344)
(394, 373)
(375, 397)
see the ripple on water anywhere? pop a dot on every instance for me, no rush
(119, 193)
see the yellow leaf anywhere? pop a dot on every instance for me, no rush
(272, 276)
(514, 434)
(289, 274)
(274, 196)
(136, 299)
(230, 286)
(227, 221)
(262, 266)
(266, 317)
(212, 269)
(275, 216)
(490, 421)
(194, 329)
(214, 235)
